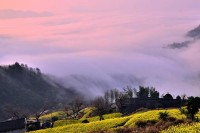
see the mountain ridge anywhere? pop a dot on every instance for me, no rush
(29, 89)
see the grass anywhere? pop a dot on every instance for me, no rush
(85, 128)
(87, 112)
(107, 116)
(50, 115)
(65, 122)
(153, 115)
(92, 119)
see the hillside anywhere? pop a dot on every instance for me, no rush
(27, 90)
(115, 123)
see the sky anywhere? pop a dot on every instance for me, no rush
(98, 45)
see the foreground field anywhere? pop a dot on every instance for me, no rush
(153, 115)
(112, 122)
(81, 128)
(184, 128)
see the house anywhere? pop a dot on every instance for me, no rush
(13, 126)
(129, 105)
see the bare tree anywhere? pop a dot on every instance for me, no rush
(111, 95)
(15, 112)
(39, 114)
(76, 106)
(101, 106)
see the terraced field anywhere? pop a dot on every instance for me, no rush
(184, 128)
(111, 122)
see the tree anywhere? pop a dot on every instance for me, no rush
(41, 111)
(15, 112)
(168, 96)
(178, 98)
(107, 97)
(111, 95)
(39, 114)
(153, 93)
(193, 105)
(76, 106)
(114, 94)
(142, 93)
(101, 107)
(128, 91)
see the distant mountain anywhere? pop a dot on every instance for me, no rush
(30, 90)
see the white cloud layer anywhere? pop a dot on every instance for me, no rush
(100, 39)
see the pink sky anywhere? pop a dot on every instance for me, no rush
(102, 38)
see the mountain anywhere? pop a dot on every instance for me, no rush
(27, 89)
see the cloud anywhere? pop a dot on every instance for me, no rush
(10, 14)
(103, 39)
(179, 45)
(194, 33)
(4, 36)
(13, 46)
(94, 85)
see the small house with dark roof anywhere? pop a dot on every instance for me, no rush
(13, 126)
(129, 105)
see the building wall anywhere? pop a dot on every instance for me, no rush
(127, 106)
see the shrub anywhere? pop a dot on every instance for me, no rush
(163, 115)
(179, 121)
(152, 122)
(171, 119)
(141, 123)
(85, 121)
(54, 118)
(183, 111)
(31, 128)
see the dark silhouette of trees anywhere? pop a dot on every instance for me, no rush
(178, 97)
(128, 91)
(143, 92)
(153, 93)
(167, 96)
(193, 105)
(146, 92)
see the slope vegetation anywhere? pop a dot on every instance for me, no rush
(113, 122)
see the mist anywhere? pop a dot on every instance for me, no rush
(94, 46)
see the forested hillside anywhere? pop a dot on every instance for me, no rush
(25, 90)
